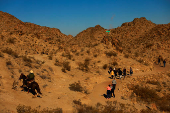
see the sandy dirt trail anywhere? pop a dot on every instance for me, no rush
(100, 89)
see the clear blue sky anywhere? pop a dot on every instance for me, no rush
(73, 16)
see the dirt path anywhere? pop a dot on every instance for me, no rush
(100, 89)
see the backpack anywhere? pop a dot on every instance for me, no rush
(31, 76)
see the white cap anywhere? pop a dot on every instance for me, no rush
(31, 71)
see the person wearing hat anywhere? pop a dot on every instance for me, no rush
(31, 76)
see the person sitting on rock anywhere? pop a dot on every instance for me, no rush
(31, 76)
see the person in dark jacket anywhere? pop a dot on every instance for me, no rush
(124, 72)
(31, 76)
(113, 87)
(164, 62)
(131, 71)
(120, 73)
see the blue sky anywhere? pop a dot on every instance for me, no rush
(74, 16)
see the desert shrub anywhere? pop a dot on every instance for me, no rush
(84, 66)
(153, 82)
(149, 45)
(140, 60)
(168, 74)
(10, 52)
(67, 55)
(45, 85)
(88, 51)
(76, 87)
(111, 53)
(110, 107)
(28, 109)
(28, 64)
(95, 55)
(26, 59)
(104, 66)
(1, 55)
(50, 57)
(136, 54)
(66, 66)
(11, 40)
(114, 63)
(126, 55)
(57, 63)
(63, 70)
(8, 63)
(144, 93)
(77, 54)
(43, 76)
(14, 85)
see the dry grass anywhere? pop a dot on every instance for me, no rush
(76, 87)
(84, 66)
(28, 109)
(111, 53)
(10, 52)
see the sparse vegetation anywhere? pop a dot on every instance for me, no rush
(28, 109)
(8, 63)
(57, 63)
(63, 70)
(104, 66)
(26, 59)
(66, 66)
(10, 52)
(50, 57)
(76, 87)
(153, 82)
(1, 55)
(111, 53)
(126, 55)
(84, 66)
(14, 85)
(11, 40)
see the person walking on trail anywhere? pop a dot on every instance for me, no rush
(110, 69)
(124, 72)
(115, 72)
(113, 87)
(112, 74)
(31, 76)
(131, 71)
(108, 92)
(159, 60)
(120, 73)
(164, 62)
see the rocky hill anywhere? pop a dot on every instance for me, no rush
(70, 68)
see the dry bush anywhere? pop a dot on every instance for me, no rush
(8, 63)
(10, 52)
(150, 96)
(63, 70)
(114, 63)
(11, 40)
(26, 59)
(1, 55)
(111, 53)
(57, 63)
(88, 51)
(28, 109)
(153, 82)
(110, 107)
(14, 85)
(126, 55)
(104, 66)
(44, 77)
(136, 54)
(76, 87)
(67, 55)
(50, 57)
(168, 74)
(28, 64)
(84, 66)
(144, 93)
(95, 55)
(66, 66)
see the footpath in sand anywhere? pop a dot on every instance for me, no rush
(97, 95)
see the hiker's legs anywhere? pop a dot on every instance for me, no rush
(164, 64)
(108, 93)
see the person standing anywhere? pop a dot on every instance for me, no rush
(108, 92)
(112, 74)
(124, 72)
(131, 71)
(164, 62)
(120, 73)
(113, 87)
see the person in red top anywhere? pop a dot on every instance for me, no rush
(108, 92)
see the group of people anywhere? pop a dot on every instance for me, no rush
(114, 73)
(159, 61)
(118, 72)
